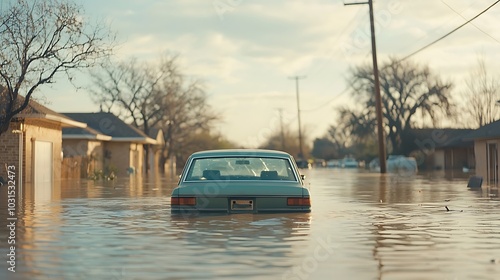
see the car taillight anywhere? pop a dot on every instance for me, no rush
(191, 201)
(298, 201)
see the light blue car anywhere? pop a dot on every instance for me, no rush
(240, 181)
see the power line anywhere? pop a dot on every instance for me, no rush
(477, 27)
(332, 52)
(449, 33)
(327, 102)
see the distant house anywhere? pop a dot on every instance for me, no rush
(109, 143)
(486, 144)
(88, 144)
(154, 151)
(33, 146)
(445, 148)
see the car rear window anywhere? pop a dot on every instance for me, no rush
(240, 168)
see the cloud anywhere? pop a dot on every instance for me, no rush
(246, 52)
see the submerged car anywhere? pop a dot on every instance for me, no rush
(349, 162)
(396, 164)
(240, 181)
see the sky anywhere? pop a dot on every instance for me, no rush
(247, 51)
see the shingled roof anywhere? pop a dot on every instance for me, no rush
(84, 133)
(107, 124)
(445, 137)
(35, 110)
(489, 131)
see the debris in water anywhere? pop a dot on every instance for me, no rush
(448, 209)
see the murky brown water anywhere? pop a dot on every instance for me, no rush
(363, 226)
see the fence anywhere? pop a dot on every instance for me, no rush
(74, 167)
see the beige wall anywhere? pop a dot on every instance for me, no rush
(108, 156)
(91, 150)
(481, 158)
(123, 156)
(96, 154)
(137, 157)
(439, 162)
(75, 147)
(38, 130)
(481, 152)
(154, 160)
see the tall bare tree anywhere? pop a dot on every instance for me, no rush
(128, 89)
(481, 95)
(354, 132)
(409, 91)
(40, 39)
(185, 112)
(156, 96)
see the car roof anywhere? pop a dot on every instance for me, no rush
(241, 152)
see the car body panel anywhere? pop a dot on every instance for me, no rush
(242, 182)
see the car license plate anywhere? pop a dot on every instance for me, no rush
(241, 204)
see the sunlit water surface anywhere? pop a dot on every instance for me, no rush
(363, 226)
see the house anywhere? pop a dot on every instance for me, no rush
(486, 144)
(445, 148)
(452, 151)
(32, 146)
(109, 144)
(86, 146)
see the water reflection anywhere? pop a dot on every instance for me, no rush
(240, 245)
(362, 226)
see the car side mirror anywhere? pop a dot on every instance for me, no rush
(303, 177)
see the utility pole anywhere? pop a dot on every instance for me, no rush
(301, 151)
(378, 98)
(280, 110)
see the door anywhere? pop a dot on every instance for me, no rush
(42, 171)
(492, 152)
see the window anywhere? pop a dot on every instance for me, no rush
(240, 168)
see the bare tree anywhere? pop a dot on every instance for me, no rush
(129, 90)
(409, 91)
(481, 95)
(156, 96)
(354, 129)
(40, 39)
(185, 113)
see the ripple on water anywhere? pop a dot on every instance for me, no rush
(363, 226)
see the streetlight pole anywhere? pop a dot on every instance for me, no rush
(282, 131)
(378, 98)
(301, 151)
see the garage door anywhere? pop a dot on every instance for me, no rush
(43, 171)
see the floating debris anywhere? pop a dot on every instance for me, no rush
(448, 209)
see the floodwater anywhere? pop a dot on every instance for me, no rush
(363, 226)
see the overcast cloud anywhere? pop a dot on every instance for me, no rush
(246, 50)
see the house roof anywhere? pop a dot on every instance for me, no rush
(84, 133)
(35, 110)
(108, 124)
(444, 137)
(157, 133)
(488, 131)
